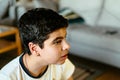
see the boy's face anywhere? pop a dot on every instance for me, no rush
(56, 48)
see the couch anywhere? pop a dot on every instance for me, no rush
(10, 11)
(98, 38)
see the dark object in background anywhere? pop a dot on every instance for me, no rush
(71, 16)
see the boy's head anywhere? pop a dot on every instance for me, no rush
(35, 26)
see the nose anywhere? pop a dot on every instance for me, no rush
(66, 45)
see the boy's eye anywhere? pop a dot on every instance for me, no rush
(57, 42)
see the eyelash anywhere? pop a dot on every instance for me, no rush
(57, 42)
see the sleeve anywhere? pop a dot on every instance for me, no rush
(67, 69)
(3, 77)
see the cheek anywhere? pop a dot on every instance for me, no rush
(50, 51)
(54, 51)
(52, 54)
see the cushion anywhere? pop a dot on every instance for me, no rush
(4, 5)
(72, 16)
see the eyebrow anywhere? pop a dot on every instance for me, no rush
(60, 37)
(57, 38)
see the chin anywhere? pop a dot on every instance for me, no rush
(61, 62)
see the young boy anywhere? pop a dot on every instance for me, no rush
(45, 49)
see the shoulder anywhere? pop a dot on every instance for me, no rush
(68, 65)
(10, 68)
(67, 69)
(65, 66)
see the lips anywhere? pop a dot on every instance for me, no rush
(65, 55)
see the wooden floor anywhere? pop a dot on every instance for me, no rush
(110, 73)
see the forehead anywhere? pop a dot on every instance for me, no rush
(58, 33)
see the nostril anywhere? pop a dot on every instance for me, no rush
(111, 32)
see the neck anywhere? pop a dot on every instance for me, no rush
(33, 68)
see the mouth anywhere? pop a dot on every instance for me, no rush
(64, 56)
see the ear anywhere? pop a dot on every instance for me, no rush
(34, 48)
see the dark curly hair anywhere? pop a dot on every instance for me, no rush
(35, 26)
